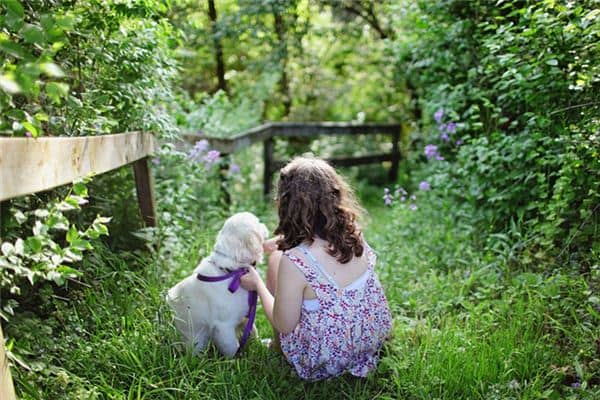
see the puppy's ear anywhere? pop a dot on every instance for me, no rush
(253, 243)
(263, 231)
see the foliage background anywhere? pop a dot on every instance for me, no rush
(492, 269)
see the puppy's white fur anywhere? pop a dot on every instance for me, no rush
(207, 310)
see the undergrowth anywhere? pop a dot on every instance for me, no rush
(465, 325)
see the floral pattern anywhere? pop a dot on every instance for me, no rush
(347, 330)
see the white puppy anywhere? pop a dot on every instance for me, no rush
(208, 310)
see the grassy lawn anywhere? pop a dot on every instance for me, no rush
(468, 325)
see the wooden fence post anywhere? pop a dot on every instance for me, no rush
(224, 167)
(145, 191)
(7, 390)
(268, 163)
(395, 155)
(3, 209)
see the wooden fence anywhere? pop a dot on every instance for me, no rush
(266, 134)
(33, 165)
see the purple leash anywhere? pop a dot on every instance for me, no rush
(234, 285)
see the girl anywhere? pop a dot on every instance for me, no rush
(328, 305)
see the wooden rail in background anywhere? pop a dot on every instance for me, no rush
(30, 165)
(267, 132)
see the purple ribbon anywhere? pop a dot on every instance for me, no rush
(234, 285)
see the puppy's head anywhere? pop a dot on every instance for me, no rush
(242, 237)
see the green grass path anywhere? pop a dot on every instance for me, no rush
(465, 328)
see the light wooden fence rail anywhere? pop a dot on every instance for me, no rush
(30, 165)
(33, 165)
(267, 132)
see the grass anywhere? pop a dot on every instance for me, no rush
(466, 326)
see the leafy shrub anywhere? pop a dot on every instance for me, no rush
(521, 78)
(88, 67)
(53, 243)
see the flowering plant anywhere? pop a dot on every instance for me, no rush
(401, 197)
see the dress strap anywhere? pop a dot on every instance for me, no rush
(309, 273)
(317, 265)
(319, 282)
(371, 255)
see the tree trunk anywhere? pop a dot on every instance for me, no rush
(212, 14)
(284, 85)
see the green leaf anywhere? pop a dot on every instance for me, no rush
(42, 117)
(81, 244)
(33, 34)
(80, 189)
(552, 61)
(56, 91)
(63, 269)
(75, 200)
(65, 206)
(15, 7)
(13, 20)
(20, 217)
(102, 220)
(8, 84)
(72, 234)
(13, 49)
(34, 244)
(7, 248)
(52, 70)
(101, 229)
(31, 128)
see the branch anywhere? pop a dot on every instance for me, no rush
(367, 14)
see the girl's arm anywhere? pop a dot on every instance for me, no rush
(288, 296)
(283, 309)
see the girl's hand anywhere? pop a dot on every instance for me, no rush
(251, 280)
(270, 245)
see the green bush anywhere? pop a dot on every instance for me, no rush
(87, 67)
(521, 82)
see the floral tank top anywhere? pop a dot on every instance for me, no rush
(345, 327)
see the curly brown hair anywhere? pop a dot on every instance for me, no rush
(314, 200)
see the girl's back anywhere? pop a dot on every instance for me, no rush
(342, 275)
(344, 319)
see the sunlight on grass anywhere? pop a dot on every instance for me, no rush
(463, 329)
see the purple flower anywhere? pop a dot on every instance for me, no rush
(459, 142)
(211, 157)
(234, 169)
(442, 127)
(575, 385)
(424, 186)
(444, 137)
(200, 147)
(413, 207)
(438, 115)
(387, 197)
(28, 134)
(156, 161)
(431, 150)
(400, 191)
(403, 198)
(451, 127)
